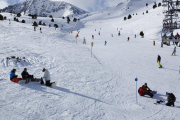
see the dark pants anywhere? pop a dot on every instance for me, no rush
(47, 82)
(170, 103)
(148, 93)
(29, 77)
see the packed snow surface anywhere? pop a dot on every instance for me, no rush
(101, 87)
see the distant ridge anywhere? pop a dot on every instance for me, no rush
(44, 8)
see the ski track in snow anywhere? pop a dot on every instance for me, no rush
(89, 88)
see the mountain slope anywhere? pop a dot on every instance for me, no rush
(101, 87)
(44, 8)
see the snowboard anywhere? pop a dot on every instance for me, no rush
(161, 67)
(159, 102)
(24, 81)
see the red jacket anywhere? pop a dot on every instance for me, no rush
(142, 90)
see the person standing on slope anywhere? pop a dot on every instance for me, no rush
(13, 76)
(159, 60)
(174, 51)
(47, 78)
(40, 30)
(128, 39)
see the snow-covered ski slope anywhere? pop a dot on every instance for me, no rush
(101, 87)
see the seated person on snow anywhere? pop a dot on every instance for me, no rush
(13, 76)
(171, 99)
(145, 90)
(25, 75)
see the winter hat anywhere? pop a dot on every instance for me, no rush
(145, 83)
(25, 68)
(14, 70)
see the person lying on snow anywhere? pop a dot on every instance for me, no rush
(145, 90)
(13, 76)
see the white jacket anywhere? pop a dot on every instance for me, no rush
(46, 75)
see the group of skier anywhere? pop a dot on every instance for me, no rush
(26, 76)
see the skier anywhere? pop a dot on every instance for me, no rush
(105, 43)
(135, 35)
(99, 33)
(171, 99)
(128, 39)
(92, 36)
(174, 51)
(47, 78)
(40, 30)
(145, 90)
(25, 75)
(119, 33)
(13, 76)
(159, 60)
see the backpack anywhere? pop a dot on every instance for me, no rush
(172, 98)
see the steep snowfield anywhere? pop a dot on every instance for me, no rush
(88, 88)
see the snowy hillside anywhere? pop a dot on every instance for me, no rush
(44, 8)
(101, 87)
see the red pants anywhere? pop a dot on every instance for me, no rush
(16, 79)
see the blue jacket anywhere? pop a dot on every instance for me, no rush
(12, 74)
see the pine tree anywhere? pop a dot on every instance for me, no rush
(141, 34)
(1, 17)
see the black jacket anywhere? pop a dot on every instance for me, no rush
(159, 58)
(25, 74)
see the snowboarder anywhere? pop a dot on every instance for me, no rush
(145, 90)
(47, 78)
(119, 33)
(174, 51)
(40, 30)
(128, 39)
(25, 75)
(159, 60)
(13, 76)
(171, 99)
(105, 43)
